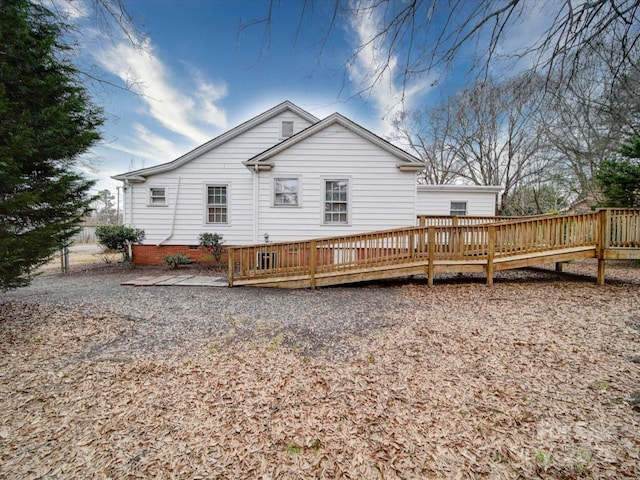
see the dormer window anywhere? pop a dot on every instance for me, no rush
(287, 129)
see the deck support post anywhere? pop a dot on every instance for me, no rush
(312, 263)
(601, 263)
(559, 266)
(491, 247)
(603, 236)
(431, 242)
(231, 263)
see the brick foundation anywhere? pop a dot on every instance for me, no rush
(152, 255)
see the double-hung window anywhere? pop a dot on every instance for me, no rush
(458, 208)
(336, 201)
(285, 192)
(157, 196)
(217, 204)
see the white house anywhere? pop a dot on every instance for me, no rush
(285, 175)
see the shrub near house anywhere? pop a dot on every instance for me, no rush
(119, 238)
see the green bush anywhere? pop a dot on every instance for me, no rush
(212, 242)
(176, 260)
(119, 237)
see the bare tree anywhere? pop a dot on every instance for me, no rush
(427, 133)
(429, 36)
(589, 119)
(484, 135)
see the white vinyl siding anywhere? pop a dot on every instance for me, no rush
(286, 192)
(336, 201)
(437, 199)
(217, 204)
(379, 195)
(157, 196)
(457, 209)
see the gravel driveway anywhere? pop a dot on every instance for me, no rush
(164, 317)
(320, 322)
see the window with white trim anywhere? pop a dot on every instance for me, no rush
(336, 201)
(217, 204)
(458, 208)
(157, 196)
(286, 129)
(285, 192)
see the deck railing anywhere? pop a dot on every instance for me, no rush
(458, 220)
(429, 244)
(622, 229)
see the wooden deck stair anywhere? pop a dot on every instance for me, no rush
(440, 244)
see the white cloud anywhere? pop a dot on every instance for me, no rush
(180, 107)
(376, 75)
(69, 9)
(149, 146)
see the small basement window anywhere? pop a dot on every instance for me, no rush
(287, 129)
(458, 209)
(157, 196)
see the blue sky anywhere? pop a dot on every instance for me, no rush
(198, 74)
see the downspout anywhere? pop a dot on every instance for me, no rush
(173, 216)
(256, 202)
(128, 207)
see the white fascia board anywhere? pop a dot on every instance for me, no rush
(349, 125)
(461, 188)
(219, 140)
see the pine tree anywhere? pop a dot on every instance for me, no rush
(619, 179)
(46, 122)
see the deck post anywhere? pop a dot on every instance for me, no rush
(603, 236)
(231, 262)
(559, 266)
(244, 261)
(431, 242)
(491, 247)
(412, 244)
(312, 263)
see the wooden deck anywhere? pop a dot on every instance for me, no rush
(440, 244)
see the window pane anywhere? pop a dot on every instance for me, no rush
(336, 202)
(217, 204)
(157, 196)
(286, 191)
(458, 208)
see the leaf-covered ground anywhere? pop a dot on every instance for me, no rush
(525, 379)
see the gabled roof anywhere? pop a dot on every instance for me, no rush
(407, 161)
(140, 175)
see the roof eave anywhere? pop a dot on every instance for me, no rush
(130, 178)
(259, 167)
(410, 167)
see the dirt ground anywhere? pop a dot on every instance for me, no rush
(537, 376)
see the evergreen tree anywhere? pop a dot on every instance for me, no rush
(619, 179)
(46, 121)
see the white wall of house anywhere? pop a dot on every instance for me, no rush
(180, 223)
(437, 199)
(379, 195)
